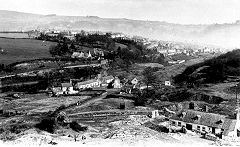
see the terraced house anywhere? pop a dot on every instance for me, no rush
(88, 84)
(216, 124)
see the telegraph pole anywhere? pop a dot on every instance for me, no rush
(236, 88)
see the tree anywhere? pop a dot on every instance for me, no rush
(54, 50)
(72, 48)
(149, 78)
(2, 67)
(59, 49)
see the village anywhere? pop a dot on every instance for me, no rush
(112, 86)
(80, 97)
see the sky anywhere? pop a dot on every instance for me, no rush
(173, 11)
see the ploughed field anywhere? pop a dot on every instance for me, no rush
(15, 50)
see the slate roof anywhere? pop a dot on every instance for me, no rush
(107, 78)
(66, 85)
(206, 119)
(87, 82)
(228, 126)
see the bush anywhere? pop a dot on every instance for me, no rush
(1, 130)
(76, 127)
(61, 107)
(47, 124)
(7, 136)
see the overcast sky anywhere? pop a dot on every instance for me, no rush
(174, 11)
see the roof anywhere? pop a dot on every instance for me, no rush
(87, 82)
(229, 126)
(206, 119)
(66, 84)
(108, 78)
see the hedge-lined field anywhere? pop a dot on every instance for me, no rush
(15, 50)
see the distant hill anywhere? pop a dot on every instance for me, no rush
(213, 70)
(225, 35)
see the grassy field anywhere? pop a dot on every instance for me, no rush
(14, 35)
(38, 103)
(22, 49)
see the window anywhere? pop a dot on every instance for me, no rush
(203, 128)
(198, 128)
(173, 123)
(179, 124)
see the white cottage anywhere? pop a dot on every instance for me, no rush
(117, 83)
(67, 87)
(88, 84)
(207, 122)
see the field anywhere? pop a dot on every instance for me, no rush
(14, 50)
(14, 35)
(37, 103)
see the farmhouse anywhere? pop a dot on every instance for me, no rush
(207, 122)
(88, 84)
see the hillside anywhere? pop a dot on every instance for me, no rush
(225, 35)
(213, 70)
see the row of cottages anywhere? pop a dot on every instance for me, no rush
(204, 122)
(81, 55)
(100, 82)
(90, 54)
(88, 84)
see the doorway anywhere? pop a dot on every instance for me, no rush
(189, 126)
(213, 130)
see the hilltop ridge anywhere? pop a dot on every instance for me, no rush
(224, 35)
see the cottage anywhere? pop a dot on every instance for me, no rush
(78, 55)
(66, 87)
(88, 84)
(134, 81)
(52, 34)
(163, 51)
(167, 83)
(107, 79)
(103, 62)
(70, 37)
(117, 83)
(207, 122)
(89, 55)
(142, 87)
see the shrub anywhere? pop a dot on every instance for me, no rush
(76, 127)
(47, 124)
